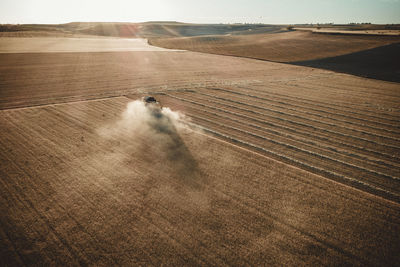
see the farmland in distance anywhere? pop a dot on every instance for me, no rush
(250, 162)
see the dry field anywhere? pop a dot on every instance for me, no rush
(352, 32)
(374, 57)
(28, 79)
(289, 47)
(30, 34)
(133, 30)
(271, 164)
(55, 44)
(319, 133)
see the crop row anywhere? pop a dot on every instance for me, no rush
(277, 136)
(305, 111)
(303, 128)
(349, 111)
(295, 149)
(256, 125)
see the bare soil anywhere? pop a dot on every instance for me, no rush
(378, 63)
(43, 78)
(275, 165)
(367, 56)
(72, 196)
(280, 47)
(58, 44)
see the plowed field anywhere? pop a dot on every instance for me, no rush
(72, 196)
(322, 137)
(249, 163)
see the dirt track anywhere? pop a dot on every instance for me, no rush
(264, 173)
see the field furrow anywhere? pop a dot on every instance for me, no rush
(213, 102)
(389, 94)
(237, 161)
(298, 152)
(227, 118)
(68, 139)
(343, 131)
(139, 204)
(281, 106)
(161, 217)
(282, 157)
(276, 136)
(388, 144)
(88, 250)
(343, 95)
(252, 115)
(332, 107)
(240, 201)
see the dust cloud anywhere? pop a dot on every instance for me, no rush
(150, 136)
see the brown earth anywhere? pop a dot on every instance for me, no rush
(332, 47)
(38, 78)
(82, 44)
(71, 195)
(279, 47)
(378, 63)
(379, 56)
(275, 164)
(31, 34)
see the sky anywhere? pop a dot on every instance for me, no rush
(201, 11)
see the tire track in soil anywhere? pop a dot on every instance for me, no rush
(122, 203)
(393, 139)
(376, 166)
(330, 174)
(227, 105)
(282, 106)
(194, 102)
(240, 199)
(372, 143)
(338, 109)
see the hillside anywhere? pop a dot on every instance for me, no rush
(361, 49)
(369, 56)
(280, 47)
(144, 30)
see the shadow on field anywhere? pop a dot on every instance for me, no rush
(149, 138)
(169, 146)
(382, 63)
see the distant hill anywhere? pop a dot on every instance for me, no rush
(145, 30)
(358, 49)
(371, 56)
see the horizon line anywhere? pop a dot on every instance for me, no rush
(210, 23)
